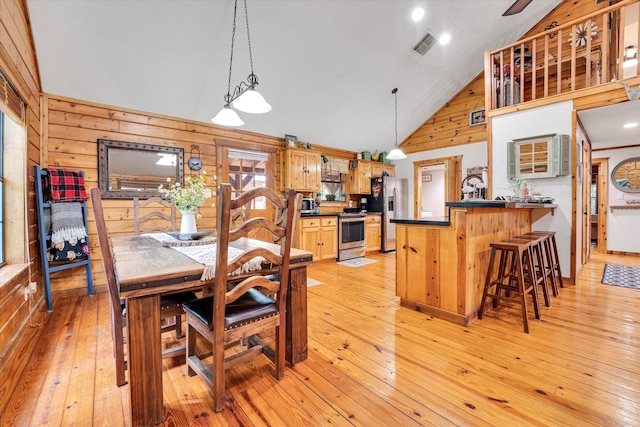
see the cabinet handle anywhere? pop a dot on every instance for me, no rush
(413, 249)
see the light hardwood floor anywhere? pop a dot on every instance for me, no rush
(372, 363)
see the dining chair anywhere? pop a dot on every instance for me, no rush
(155, 220)
(170, 304)
(239, 314)
(158, 220)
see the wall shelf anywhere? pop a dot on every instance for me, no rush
(632, 206)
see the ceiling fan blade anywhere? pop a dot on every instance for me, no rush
(517, 7)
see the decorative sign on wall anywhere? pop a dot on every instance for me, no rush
(477, 117)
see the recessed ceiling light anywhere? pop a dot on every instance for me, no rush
(417, 14)
(444, 39)
(630, 125)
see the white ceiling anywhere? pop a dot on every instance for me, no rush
(605, 125)
(326, 66)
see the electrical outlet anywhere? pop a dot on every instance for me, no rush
(32, 287)
(26, 293)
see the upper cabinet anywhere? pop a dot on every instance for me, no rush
(360, 176)
(378, 169)
(301, 170)
(543, 156)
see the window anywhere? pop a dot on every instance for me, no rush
(247, 170)
(13, 185)
(543, 156)
(332, 187)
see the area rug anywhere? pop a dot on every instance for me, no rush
(357, 262)
(311, 282)
(621, 275)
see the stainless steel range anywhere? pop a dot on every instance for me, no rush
(351, 234)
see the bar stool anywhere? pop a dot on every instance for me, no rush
(551, 250)
(539, 266)
(516, 252)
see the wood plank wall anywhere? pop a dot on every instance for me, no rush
(449, 126)
(72, 130)
(18, 61)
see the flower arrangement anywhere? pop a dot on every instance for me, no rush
(187, 198)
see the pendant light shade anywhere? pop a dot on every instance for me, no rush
(396, 153)
(244, 97)
(227, 117)
(251, 101)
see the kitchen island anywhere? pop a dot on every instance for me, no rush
(441, 263)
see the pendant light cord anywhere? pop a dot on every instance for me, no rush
(395, 93)
(246, 16)
(227, 97)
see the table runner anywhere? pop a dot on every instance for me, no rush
(206, 255)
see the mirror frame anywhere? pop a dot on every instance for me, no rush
(103, 167)
(613, 175)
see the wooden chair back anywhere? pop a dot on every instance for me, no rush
(157, 220)
(282, 232)
(117, 320)
(240, 309)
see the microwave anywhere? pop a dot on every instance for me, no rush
(308, 206)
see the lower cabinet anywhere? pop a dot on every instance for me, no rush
(319, 235)
(373, 233)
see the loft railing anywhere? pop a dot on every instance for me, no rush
(579, 54)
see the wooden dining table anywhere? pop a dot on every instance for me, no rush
(146, 269)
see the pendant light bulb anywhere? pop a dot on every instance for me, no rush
(227, 117)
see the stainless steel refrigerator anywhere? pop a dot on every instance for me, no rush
(390, 197)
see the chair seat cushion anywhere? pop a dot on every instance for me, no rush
(249, 307)
(178, 299)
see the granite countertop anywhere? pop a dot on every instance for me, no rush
(433, 220)
(497, 204)
(304, 215)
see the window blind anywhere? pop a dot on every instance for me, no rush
(12, 102)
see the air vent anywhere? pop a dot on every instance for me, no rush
(425, 43)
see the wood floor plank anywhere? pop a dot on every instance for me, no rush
(51, 402)
(108, 404)
(79, 403)
(371, 362)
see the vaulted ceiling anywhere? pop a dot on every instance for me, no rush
(326, 66)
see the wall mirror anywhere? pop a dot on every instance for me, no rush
(129, 169)
(626, 175)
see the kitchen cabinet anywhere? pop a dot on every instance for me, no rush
(319, 235)
(378, 169)
(360, 178)
(373, 233)
(301, 170)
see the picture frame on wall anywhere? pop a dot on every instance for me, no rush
(477, 117)
(291, 141)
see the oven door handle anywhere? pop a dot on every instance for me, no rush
(359, 219)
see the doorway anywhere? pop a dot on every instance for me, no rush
(246, 168)
(599, 197)
(436, 181)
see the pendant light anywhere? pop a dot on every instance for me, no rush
(396, 153)
(245, 97)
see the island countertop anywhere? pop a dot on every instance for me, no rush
(445, 220)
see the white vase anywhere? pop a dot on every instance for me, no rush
(188, 223)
